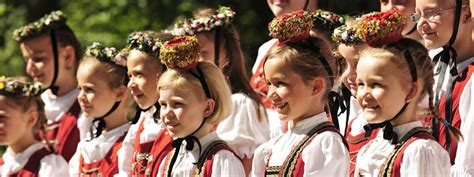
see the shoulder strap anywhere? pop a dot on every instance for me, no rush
(204, 165)
(33, 164)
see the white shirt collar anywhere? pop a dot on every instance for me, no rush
(403, 129)
(308, 123)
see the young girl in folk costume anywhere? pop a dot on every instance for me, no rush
(403, 147)
(448, 24)
(247, 126)
(298, 71)
(194, 96)
(21, 117)
(105, 98)
(52, 52)
(257, 81)
(146, 140)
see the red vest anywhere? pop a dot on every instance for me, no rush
(64, 134)
(108, 166)
(32, 167)
(257, 82)
(148, 156)
(355, 143)
(293, 166)
(458, 88)
(392, 165)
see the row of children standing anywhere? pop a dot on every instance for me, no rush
(189, 124)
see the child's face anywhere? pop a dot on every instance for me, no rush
(39, 60)
(405, 7)
(144, 73)
(208, 48)
(182, 110)
(280, 7)
(437, 24)
(14, 123)
(291, 97)
(348, 77)
(96, 97)
(381, 92)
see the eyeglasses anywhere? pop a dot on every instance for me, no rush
(430, 15)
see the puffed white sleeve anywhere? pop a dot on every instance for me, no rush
(74, 163)
(125, 152)
(225, 163)
(425, 158)
(242, 130)
(326, 155)
(53, 165)
(258, 162)
(464, 161)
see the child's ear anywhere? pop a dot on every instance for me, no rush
(69, 56)
(121, 92)
(210, 105)
(32, 117)
(413, 92)
(317, 85)
(466, 17)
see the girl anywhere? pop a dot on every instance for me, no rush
(146, 140)
(52, 52)
(247, 125)
(299, 74)
(21, 117)
(194, 96)
(105, 98)
(448, 24)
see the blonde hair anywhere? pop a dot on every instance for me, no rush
(305, 61)
(113, 74)
(395, 53)
(215, 80)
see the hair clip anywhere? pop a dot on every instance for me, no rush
(106, 54)
(48, 22)
(192, 26)
(380, 28)
(11, 88)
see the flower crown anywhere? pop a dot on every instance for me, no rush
(106, 54)
(181, 53)
(14, 88)
(292, 27)
(48, 22)
(327, 20)
(380, 28)
(145, 42)
(192, 26)
(345, 35)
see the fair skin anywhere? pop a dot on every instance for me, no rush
(293, 98)
(406, 8)
(382, 94)
(96, 98)
(351, 55)
(144, 72)
(436, 33)
(280, 7)
(39, 59)
(206, 41)
(183, 110)
(16, 126)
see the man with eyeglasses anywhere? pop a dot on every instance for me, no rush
(405, 7)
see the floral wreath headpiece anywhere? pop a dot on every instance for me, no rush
(13, 88)
(192, 26)
(292, 27)
(145, 42)
(327, 20)
(106, 54)
(380, 28)
(346, 35)
(42, 26)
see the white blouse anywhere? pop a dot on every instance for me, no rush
(421, 158)
(225, 163)
(150, 130)
(50, 166)
(241, 130)
(96, 149)
(354, 114)
(321, 156)
(55, 108)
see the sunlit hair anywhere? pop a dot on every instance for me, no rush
(218, 87)
(424, 69)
